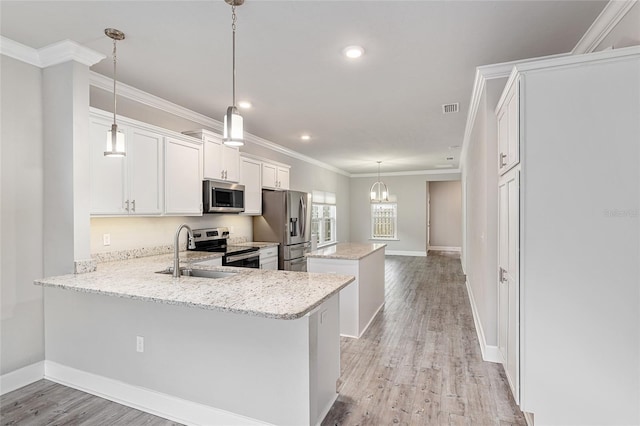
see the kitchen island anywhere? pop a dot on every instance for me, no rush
(257, 347)
(362, 300)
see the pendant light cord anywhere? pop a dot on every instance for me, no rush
(233, 28)
(114, 81)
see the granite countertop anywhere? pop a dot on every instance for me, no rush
(257, 292)
(346, 251)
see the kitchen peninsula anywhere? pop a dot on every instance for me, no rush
(257, 347)
(361, 301)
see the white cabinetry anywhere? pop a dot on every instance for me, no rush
(569, 237)
(508, 142)
(220, 162)
(251, 178)
(275, 176)
(183, 176)
(130, 185)
(269, 258)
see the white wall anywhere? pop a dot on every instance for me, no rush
(138, 232)
(21, 217)
(480, 177)
(410, 194)
(445, 214)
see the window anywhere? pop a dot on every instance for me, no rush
(323, 217)
(384, 221)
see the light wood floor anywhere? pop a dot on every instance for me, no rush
(418, 364)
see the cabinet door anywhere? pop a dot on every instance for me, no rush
(231, 163)
(508, 275)
(108, 174)
(283, 178)
(269, 175)
(183, 177)
(144, 160)
(213, 157)
(508, 132)
(250, 177)
(270, 263)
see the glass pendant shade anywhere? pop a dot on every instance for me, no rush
(379, 192)
(115, 145)
(233, 133)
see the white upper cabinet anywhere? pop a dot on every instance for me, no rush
(220, 162)
(275, 176)
(251, 178)
(130, 185)
(508, 138)
(183, 176)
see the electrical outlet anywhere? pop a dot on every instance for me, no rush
(231, 230)
(139, 344)
(106, 239)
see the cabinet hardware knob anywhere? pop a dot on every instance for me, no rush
(127, 207)
(133, 206)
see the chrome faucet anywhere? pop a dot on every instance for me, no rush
(176, 248)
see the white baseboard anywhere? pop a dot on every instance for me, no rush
(489, 353)
(21, 377)
(445, 248)
(326, 409)
(405, 253)
(528, 417)
(163, 405)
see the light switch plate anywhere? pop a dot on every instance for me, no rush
(106, 239)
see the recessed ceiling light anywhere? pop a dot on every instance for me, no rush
(305, 137)
(244, 104)
(353, 52)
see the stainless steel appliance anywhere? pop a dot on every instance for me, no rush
(215, 240)
(286, 219)
(222, 197)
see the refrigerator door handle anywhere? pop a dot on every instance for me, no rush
(302, 214)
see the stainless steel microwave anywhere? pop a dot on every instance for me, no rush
(222, 197)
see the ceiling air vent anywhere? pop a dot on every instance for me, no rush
(450, 108)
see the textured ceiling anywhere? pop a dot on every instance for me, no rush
(385, 106)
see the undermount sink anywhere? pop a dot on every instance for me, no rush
(199, 273)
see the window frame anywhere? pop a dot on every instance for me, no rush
(394, 206)
(322, 221)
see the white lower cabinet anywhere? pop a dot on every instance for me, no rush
(269, 258)
(183, 176)
(130, 185)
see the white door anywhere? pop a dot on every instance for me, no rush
(269, 175)
(508, 277)
(231, 163)
(213, 158)
(108, 174)
(183, 178)
(250, 177)
(145, 172)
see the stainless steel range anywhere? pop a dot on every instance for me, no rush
(215, 240)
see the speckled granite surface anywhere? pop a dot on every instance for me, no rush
(347, 251)
(269, 294)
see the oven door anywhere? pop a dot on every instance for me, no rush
(245, 260)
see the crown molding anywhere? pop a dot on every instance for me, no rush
(105, 83)
(53, 54)
(612, 13)
(409, 173)
(19, 51)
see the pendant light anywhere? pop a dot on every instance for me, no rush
(233, 133)
(379, 191)
(115, 138)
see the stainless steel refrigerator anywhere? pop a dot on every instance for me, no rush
(286, 219)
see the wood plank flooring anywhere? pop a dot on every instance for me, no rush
(419, 363)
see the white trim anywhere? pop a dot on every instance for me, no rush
(326, 409)
(53, 54)
(19, 51)
(105, 83)
(405, 253)
(409, 173)
(612, 13)
(490, 353)
(21, 377)
(528, 417)
(371, 320)
(156, 403)
(444, 248)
